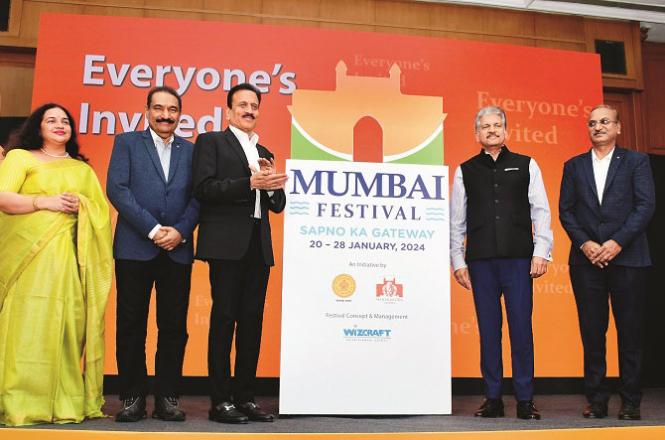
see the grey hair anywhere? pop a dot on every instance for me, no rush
(608, 107)
(490, 110)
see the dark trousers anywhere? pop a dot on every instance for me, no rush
(238, 297)
(134, 282)
(491, 278)
(594, 288)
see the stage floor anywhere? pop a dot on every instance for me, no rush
(560, 412)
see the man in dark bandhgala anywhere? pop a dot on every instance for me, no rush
(500, 205)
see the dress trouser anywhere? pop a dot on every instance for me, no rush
(238, 297)
(134, 282)
(491, 278)
(594, 288)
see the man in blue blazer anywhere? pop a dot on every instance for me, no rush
(607, 199)
(150, 185)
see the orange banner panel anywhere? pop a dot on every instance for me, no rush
(101, 69)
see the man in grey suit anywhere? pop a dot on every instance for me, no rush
(607, 199)
(150, 185)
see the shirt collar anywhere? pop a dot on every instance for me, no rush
(607, 158)
(241, 135)
(156, 139)
(486, 154)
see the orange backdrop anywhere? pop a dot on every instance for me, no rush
(102, 67)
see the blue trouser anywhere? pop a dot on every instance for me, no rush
(491, 278)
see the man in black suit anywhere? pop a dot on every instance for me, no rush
(236, 183)
(607, 199)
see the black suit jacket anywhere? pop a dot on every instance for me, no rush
(221, 183)
(628, 203)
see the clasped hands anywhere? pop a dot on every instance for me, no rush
(601, 255)
(167, 238)
(266, 177)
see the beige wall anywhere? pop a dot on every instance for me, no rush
(16, 75)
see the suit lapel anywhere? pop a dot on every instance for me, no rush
(615, 164)
(152, 152)
(262, 151)
(175, 158)
(237, 148)
(588, 172)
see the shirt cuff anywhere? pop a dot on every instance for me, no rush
(151, 234)
(458, 262)
(542, 252)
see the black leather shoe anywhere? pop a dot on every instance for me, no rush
(254, 412)
(629, 411)
(490, 408)
(166, 408)
(595, 410)
(226, 412)
(133, 409)
(526, 410)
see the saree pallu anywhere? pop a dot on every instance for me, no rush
(55, 275)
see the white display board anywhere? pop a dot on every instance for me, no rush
(366, 289)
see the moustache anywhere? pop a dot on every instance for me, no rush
(248, 114)
(169, 120)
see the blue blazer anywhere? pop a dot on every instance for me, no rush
(629, 201)
(138, 190)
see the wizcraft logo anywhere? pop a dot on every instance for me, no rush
(390, 291)
(367, 119)
(367, 334)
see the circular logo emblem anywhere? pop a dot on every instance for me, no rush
(344, 285)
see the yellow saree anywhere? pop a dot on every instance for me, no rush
(55, 276)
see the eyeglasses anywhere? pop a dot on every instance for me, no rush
(604, 122)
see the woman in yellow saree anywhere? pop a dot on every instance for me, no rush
(55, 275)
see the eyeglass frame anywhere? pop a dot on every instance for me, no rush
(604, 122)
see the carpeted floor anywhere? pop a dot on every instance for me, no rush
(559, 411)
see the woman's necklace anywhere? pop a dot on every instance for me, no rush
(54, 155)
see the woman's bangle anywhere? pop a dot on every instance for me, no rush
(34, 203)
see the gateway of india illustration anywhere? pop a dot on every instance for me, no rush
(367, 119)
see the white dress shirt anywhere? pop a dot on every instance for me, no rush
(163, 151)
(600, 169)
(543, 237)
(248, 143)
(163, 148)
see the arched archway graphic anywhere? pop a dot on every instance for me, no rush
(367, 140)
